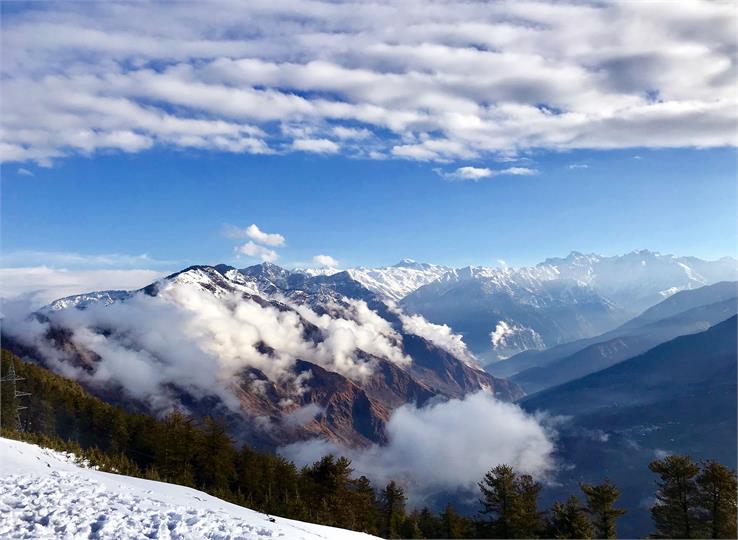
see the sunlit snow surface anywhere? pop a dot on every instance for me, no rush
(44, 494)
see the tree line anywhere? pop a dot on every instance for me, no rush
(692, 501)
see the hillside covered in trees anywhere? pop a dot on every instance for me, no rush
(693, 500)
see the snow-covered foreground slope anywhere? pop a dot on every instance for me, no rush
(44, 494)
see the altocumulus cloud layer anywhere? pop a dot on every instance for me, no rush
(428, 81)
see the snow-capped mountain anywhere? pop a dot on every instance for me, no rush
(390, 282)
(502, 311)
(46, 494)
(640, 279)
(282, 355)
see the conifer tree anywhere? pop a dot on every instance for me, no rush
(453, 525)
(392, 503)
(365, 503)
(601, 508)
(499, 500)
(527, 519)
(716, 497)
(410, 527)
(569, 520)
(430, 525)
(511, 502)
(215, 457)
(674, 513)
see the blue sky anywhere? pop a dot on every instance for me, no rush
(134, 134)
(173, 206)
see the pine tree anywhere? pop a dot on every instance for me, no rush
(569, 520)
(511, 502)
(499, 500)
(392, 503)
(176, 451)
(716, 497)
(601, 508)
(215, 457)
(365, 504)
(674, 513)
(410, 527)
(527, 519)
(454, 525)
(430, 525)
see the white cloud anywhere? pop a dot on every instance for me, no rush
(440, 335)
(24, 172)
(317, 146)
(575, 166)
(468, 436)
(269, 239)
(325, 260)
(43, 284)
(343, 132)
(478, 173)
(472, 173)
(442, 82)
(68, 260)
(251, 249)
(199, 341)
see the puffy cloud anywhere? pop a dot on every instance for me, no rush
(269, 239)
(468, 436)
(188, 337)
(440, 335)
(471, 173)
(442, 82)
(256, 234)
(478, 173)
(317, 146)
(325, 260)
(251, 249)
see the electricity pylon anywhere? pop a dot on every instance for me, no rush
(12, 378)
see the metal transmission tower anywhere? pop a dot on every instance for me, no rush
(12, 378)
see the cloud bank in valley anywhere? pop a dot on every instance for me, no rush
(447, 446)
(439, 81)
(199, 341)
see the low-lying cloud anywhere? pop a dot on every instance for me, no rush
(196, 340)
(447, 446)
(440, 335)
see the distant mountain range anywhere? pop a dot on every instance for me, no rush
(686, 312)
(678, 397)
(333, 353)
